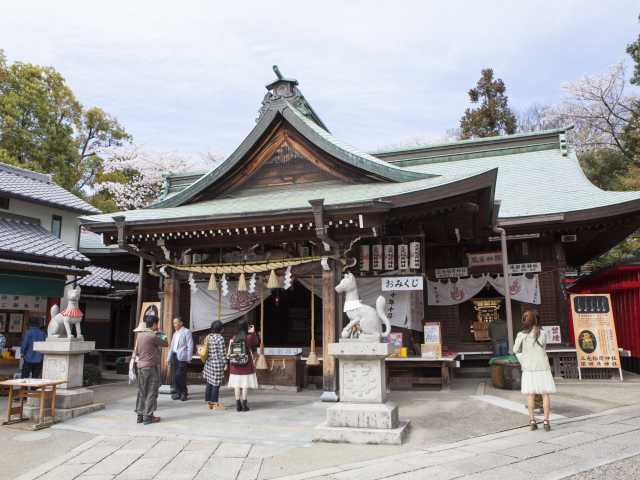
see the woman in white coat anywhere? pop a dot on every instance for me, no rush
(536, 372)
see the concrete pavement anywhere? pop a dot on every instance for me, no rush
(573, 446)
(470, 430)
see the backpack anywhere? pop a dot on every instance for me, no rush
(238, 353)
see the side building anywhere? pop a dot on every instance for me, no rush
(39, 247)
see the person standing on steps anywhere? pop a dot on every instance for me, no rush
(180, 355)
(214, 366)
(529, 347)
(147, 359)
(242, 371)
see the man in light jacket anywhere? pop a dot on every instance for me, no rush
(179, 355)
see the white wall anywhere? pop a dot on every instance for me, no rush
(70, 222)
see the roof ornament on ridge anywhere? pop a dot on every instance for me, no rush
(284, 92)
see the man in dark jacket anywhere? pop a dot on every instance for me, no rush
(32, 360)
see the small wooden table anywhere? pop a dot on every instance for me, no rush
(21, 389)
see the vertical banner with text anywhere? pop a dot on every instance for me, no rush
(595, 332)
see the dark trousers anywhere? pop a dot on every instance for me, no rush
(33, 370)
(148, 385)
(500, 348)
(179, 381)
(212, 393)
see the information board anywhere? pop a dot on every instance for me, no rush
(595, 332)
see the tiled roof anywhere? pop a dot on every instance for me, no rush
(103, 278)
(39, 188)
(24, 238)
(316, 135)
(291, 199)
(535, 183)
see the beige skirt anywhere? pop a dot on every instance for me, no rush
(243, 381)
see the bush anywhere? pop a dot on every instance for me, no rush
(91, 375)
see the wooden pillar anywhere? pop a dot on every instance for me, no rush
(170, 306)
(331, 326)
(136, 317)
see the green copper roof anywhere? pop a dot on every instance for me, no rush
(293, 199)
(313, 132)
(535, 183)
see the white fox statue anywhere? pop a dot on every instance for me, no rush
(364, 321)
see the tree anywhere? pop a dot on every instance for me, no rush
(607, 168)
(631, 134)
(133, 177)
(43, 127)
(601, 110)
(538, 117)
(493, 115)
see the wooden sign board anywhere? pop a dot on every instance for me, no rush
(595, 332)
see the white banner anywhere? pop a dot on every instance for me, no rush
(453, 293)
(204, 305)
(521, 288)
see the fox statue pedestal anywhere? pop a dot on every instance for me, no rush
(64, 360)
(363, 414)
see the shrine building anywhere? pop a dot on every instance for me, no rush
(268, 233)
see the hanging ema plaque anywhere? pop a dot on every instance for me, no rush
(595, 332)
(365, 257)
(414, 255)
(376, 257)
(389, 257)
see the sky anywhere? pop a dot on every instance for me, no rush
(189, 76)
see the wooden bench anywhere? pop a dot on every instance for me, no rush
(22, 389)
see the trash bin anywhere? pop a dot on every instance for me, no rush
(505, 372)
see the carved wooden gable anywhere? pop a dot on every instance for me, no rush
(283, 157)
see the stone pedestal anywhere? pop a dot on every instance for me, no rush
(363, 414)
(64, 360)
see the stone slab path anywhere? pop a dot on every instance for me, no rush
(573, 446)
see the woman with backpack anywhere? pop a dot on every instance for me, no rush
(214, 366)
(242, 371)
(537, 379)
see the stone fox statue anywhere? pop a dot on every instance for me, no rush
(60, 324)
(364, 321)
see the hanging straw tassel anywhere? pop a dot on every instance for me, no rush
(273, 280)
(242, 283)
(261, 362)
(312, 359)
(213, 285)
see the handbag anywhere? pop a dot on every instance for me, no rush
(133, 366)
(203, 350)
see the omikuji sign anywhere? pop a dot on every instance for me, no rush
(400, 284)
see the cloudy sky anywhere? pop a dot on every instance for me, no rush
(189, 75)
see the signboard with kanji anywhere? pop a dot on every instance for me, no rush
(414, 255)
(389, 257)
(376, 257)
(403, 256)
(400, 284)
(484, 259)
(553, 334)
(432, 345)
(594, 332)
(365, 257)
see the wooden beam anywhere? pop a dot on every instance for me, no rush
(170, 305)
(331, 325)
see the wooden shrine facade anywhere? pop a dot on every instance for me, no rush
(292, 190)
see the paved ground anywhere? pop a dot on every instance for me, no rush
(453, 433)
(573, 446)
(627, 468)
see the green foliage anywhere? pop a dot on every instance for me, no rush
(633, 49)
(493, 116)
(607, 168)
(44, 128)
(626, 250)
